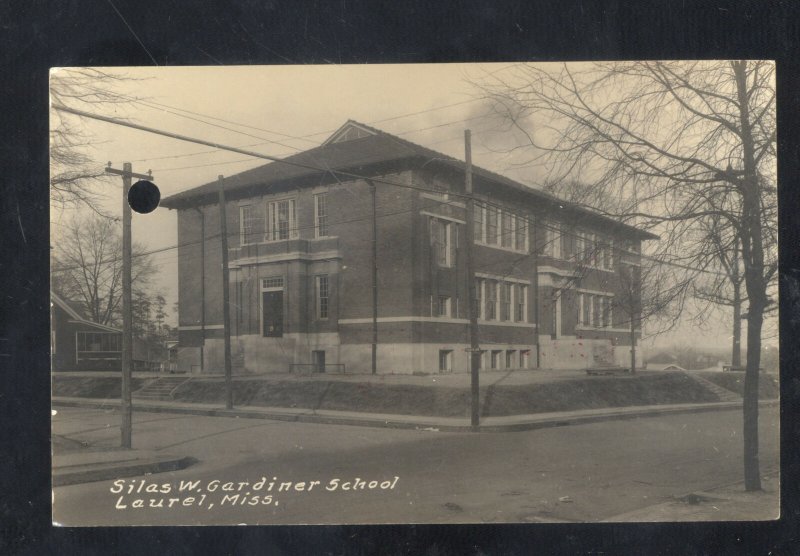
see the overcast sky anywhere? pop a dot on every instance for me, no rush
(281, 110)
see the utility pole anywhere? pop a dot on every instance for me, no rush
(472, 309)
(126, 428)
(535, 292)
(226, 302)
(374, 280)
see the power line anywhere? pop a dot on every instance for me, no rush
(151, 103)
(331, 171)
(223, 127)
(298, 137)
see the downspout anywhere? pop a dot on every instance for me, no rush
(202, 285)
(374, 279)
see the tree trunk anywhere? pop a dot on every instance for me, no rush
(633, 345)
(736, 350)
(753, 259)
(736, 353)
(752, 472)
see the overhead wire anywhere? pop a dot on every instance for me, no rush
(330, 171)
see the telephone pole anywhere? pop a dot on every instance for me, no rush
(472, 309)
(226, 301)
(126, 428)
(374, 279)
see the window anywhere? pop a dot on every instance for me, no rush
(505, 296)
(99, 341)
(441, 241)
(521, 302)
(321, 214)
(318, 358)
(555, 239)
(272, 282)
(524, 357)
(491, 225)
(251, 224)
(511, 356)
(478, 222)
(606, 312)
(445, 360)
(610, 264)
(507, 239)
(589, 249)
(566, 242)
(552, 240)
(491, 300)
(282, 220)
(587, 310)
(443, 306)
(323, 294)
(596, 310)
(521, 236)
(602, 250)
(579, 246)
(495, 359)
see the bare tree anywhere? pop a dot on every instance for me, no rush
(725, 289)
(73, 172)
(87, 268)
(685, 141)
(648, 292)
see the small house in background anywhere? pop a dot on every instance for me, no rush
(663, 362)
(171, 365)
(79, 344)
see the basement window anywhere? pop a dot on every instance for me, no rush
(445, 360)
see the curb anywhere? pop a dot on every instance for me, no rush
(104, 471)
(535, 421)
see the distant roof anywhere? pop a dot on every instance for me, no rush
(353, 147)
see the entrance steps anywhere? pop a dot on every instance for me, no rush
(723, 394)
(160, 389)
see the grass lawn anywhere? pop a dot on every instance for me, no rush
(596, 393)
(411, 399)
(768, 384)
(92, 387)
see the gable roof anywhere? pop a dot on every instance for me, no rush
(352, 148)
(71, 308)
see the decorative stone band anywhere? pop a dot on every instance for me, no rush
(438, 320)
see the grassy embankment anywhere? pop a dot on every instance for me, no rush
(768, 385)
(411, 399)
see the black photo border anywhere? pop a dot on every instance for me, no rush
(40, 34)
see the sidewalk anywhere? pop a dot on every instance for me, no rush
(97, 465)
(445, 424)
(726, 503)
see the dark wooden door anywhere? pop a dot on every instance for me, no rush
(272, 307)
